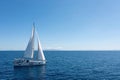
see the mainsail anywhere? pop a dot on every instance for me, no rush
(40, 51)
(30, 48)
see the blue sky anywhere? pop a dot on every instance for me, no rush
(61, 24)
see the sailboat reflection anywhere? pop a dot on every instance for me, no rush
(30, 73)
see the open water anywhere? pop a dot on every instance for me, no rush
(64, 65)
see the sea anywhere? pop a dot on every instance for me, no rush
(64, 65)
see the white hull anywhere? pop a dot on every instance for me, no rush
(27, 62)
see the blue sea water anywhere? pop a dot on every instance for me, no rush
(64, 65)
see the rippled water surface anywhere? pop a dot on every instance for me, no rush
(64, 65)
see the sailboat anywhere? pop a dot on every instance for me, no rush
(28, 58)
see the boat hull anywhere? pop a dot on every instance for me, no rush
(27, 62)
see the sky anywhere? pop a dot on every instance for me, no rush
(61, 24)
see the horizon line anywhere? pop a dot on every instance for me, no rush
(63, 50)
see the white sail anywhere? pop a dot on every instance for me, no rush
(40, 51)
(30, 47)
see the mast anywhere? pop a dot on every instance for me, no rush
(33, 38)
